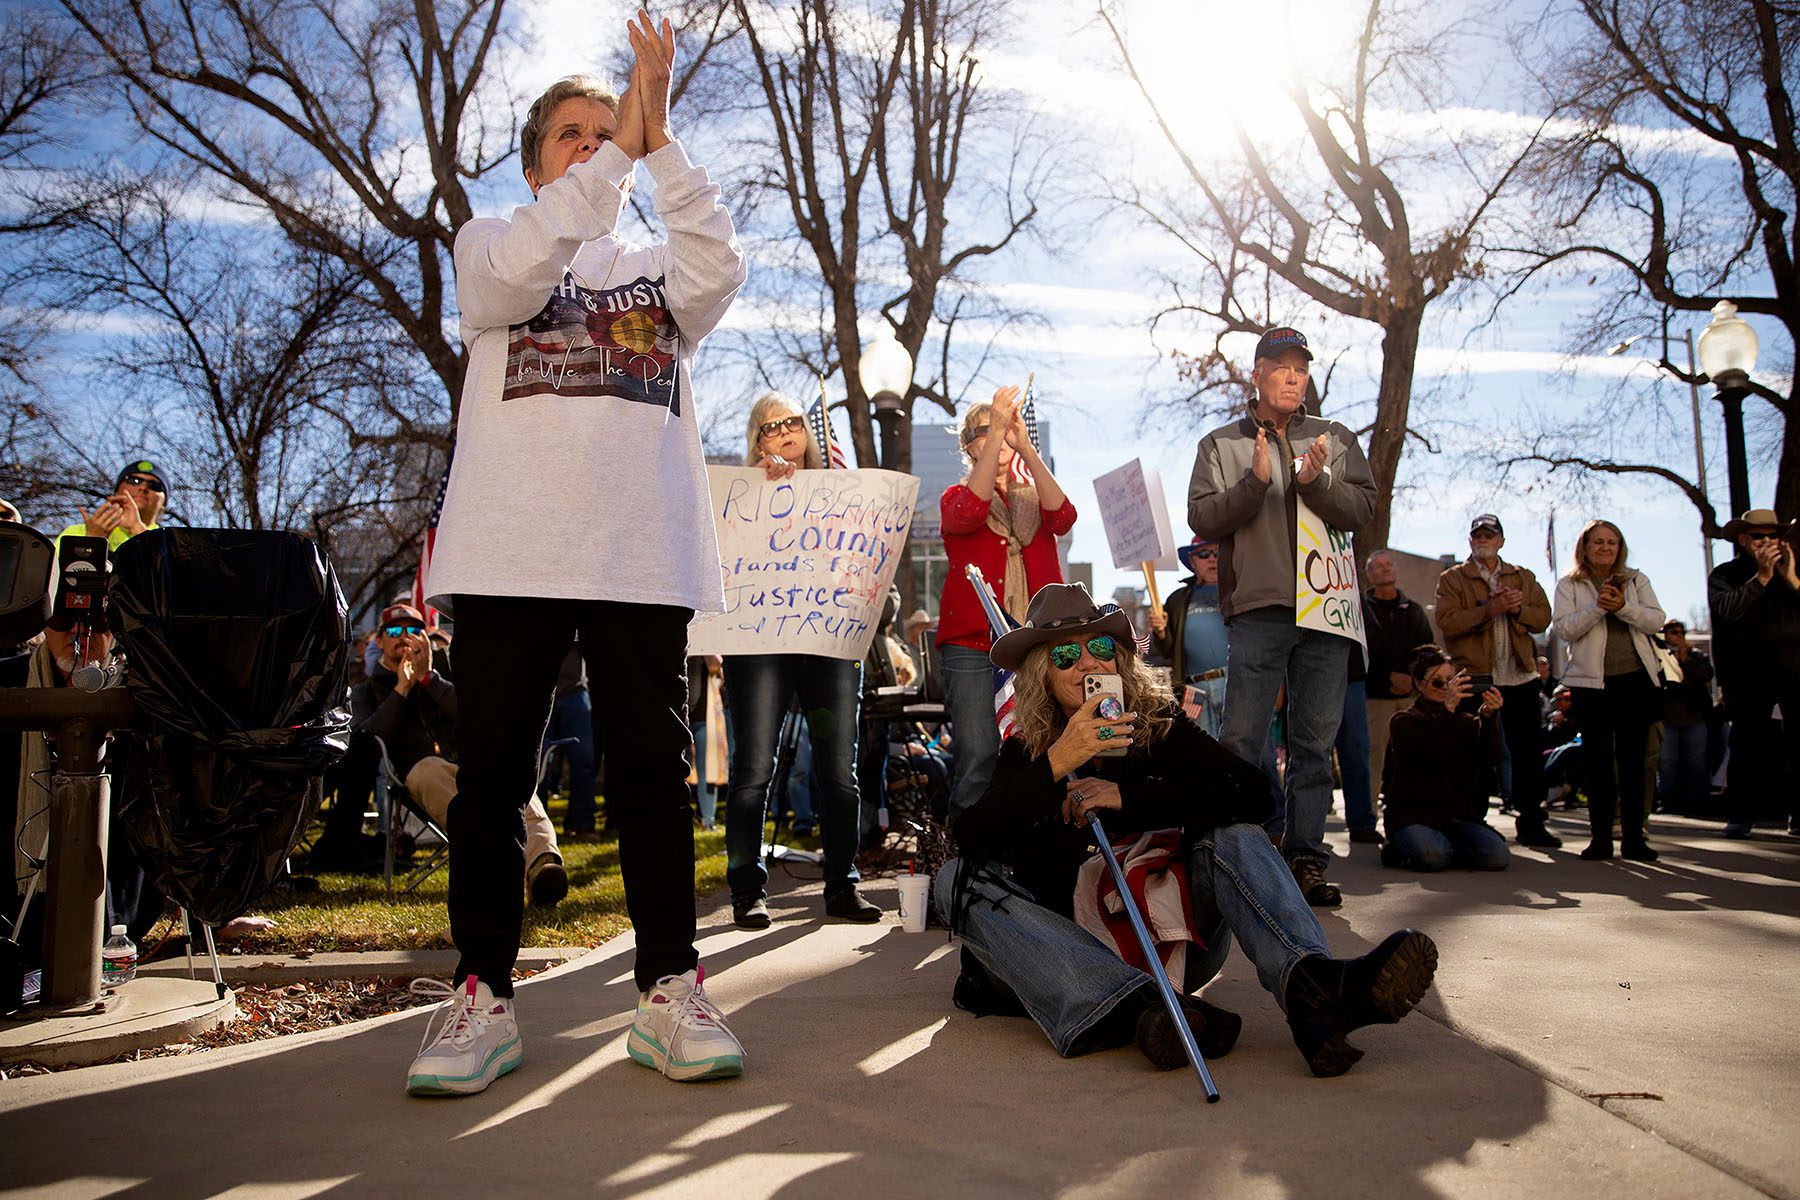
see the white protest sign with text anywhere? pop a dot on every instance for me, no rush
(1136, 517)
(807, 561)
(1327, 596)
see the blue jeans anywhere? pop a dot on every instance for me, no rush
(969, 698)
(1267, 649)
(1067, 980)
(1682, 781)
(830, 692)
(573, 717)
(1353, 758)
(1469, 845)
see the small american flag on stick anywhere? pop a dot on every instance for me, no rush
(421, 576)
(819, 421)
(1028, 414)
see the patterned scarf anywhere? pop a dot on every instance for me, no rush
(1015, 517)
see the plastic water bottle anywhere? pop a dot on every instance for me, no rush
(118, 959)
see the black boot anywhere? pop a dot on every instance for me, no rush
(1328, 998)
(1215, 1032)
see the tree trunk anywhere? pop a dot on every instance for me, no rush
(1387, 442)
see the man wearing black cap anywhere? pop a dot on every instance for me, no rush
(1489, 610)
(1755, 601)
(1247, 479)
(140, 491)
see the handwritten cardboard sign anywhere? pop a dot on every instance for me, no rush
(1136, 517)
(807, 561)
(1327, 596)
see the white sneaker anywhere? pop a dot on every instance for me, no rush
(477, 1043)
(681, 1033)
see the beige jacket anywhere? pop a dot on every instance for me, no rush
(1461, 592)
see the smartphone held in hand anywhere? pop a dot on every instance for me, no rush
(1112, 690)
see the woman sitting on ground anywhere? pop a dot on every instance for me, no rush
(1433, 802)
(1012, 893)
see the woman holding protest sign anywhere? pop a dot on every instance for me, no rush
(1008, 528)
(762, 687)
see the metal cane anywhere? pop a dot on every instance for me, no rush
(1157, 973)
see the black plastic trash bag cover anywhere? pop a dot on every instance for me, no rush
(237, 649)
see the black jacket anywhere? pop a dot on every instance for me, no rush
(1395, 628)
(1186, 781)
(420, 724)
(1756, 629)
(1690, 701)
(1432, 772)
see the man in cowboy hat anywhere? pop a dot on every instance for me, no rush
(1248, 476)
(1755, 601)
(1190, 631)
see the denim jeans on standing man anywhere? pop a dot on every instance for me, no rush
(1683, 784)
(762, 686)
(1353, 758)
(1067, 980)
(1266, 650)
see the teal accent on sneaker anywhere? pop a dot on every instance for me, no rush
(506, 1057)
(647, 1051)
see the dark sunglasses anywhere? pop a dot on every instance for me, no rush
(976, 434)
(402, 630)
(1203, 554)
(1429, 682)
(1103, 648)
(143, 481)
(1763, 535)
(771, 428)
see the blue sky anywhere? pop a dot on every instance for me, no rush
(1096, 363)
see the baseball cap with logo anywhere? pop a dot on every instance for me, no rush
(402, 614)
(142, 466)
(1279, 339)
(1486, 521)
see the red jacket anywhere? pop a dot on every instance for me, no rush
(967, 539)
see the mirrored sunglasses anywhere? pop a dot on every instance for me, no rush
(401, 630)
(143, 481)
(1103, 648)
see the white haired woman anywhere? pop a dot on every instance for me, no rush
(1605, 614)
(761, 687)
(1016, 919)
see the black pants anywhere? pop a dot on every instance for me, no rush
(1764, 750)
(508, 652)
(1615, 732)
(1519, 714)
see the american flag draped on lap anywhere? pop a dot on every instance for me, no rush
(420, 576)
(819, 421)
(1027, 413)
(998, 623)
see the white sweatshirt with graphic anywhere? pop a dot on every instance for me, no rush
(578, 471)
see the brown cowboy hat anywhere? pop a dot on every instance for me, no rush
(1059, 612)
(1757, 518)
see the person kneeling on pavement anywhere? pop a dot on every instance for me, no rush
(1433, 801)
(412, 709)
(1012, 894)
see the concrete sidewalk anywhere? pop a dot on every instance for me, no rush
(861, 1079)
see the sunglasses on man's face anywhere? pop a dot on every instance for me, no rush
(402, 630)
(143, 481)
(771, 428)
(1763, 535)
(1103, 648)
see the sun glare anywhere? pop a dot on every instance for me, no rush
(1213, 67)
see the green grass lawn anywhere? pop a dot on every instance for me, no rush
(355, 912)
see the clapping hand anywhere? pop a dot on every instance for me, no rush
(1313, 461)
(1612, 598)
(643, 125)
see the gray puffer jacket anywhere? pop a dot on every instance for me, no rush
(1254, 521)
